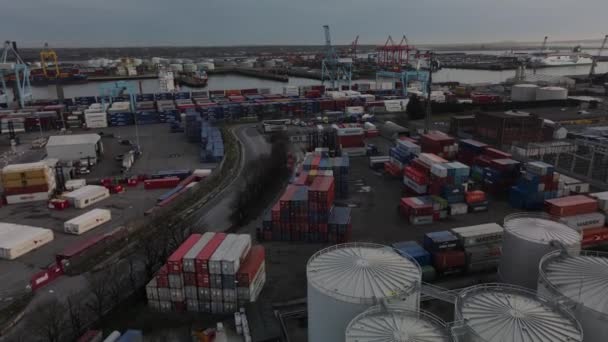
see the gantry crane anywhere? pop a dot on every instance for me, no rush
(335, 69)
(48, 55)
(22, 89)
(596, 58)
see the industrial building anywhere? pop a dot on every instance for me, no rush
(74, 147)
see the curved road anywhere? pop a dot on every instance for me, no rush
(215, 215)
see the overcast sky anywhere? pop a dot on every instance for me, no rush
(257, 22)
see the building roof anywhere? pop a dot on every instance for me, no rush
(76, 139)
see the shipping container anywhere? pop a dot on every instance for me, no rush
(202, 259)
(189, 260)
(479, 234)
(86, 196)
(113, 337)
(215, 261)
(414, 250)
(250, 266)
(26, 198)
(443, 240)
(161, 183)
(174, 262)
(448, 261)
(87, 221)
(75, 184)
(485, 252)
(585, 221)
(17, 240)
(571, 205)
(252, 292)
(231, 260)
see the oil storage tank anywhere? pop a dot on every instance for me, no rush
(501, 313)
(523, 92)
(345, 280)
(527, 238)
(551, 93)
(581, 283)
(395, 324)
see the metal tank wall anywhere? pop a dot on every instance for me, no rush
(551, 93)
(523, 92)
(594, 323)
(521, 256)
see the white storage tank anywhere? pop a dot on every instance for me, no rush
(551, 93)
(501, 313)
(395, 324)
(581, 283)
(527, 238)
(345, 280)
(523, 92)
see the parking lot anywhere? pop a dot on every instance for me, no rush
(161, 150)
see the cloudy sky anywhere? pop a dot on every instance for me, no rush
(256, 22)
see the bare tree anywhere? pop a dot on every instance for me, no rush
(98, 284)
(76, 313)
(47, 320)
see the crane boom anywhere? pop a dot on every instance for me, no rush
(544, 46)
(48, 55)
(22, 91)
(596, 58)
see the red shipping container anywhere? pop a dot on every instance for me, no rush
(79, 248)
(475, 196)
(202, 259)
(416, 175)
(174, 262)
(162, 183)
(251, 265)
(449, 260)
(91, 336)
(594, 236)
(26, 190)
(59, 204)
(202, 280)
(496, 154)
(420, 166)
(162, 277)
(571, 205)
(45, 277)
(233, 92)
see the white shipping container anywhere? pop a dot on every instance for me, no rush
(585, 221)
(355, 110)
(238, 252)
(420, 220)
(152, 290)
(113, 337)
(87, 221)
(439, 170)
(458, 209)
(215, 262)
(74, 184)
(177, 295)
(87, 195)
(602, 200)
(202, 173)
(17, 240)
(26, 198)
(188, 262)
(431, 159)
(479, 234)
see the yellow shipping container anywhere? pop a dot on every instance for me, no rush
(22, 183)
(41, 173)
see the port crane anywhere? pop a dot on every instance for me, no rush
(599, 53)
(22, 88)
(333, 68)
(48, 55)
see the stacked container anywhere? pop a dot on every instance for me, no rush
(212, 273)
(192, 127)
(469, 149)
(340, 168)
(538, 183)
(447, 256)
(482, 245)
(418, 253)
(501, 175)
(28, 182)
(440, 144)
(400, 156)
(580, 213)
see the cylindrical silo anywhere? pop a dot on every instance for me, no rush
(501, 313)
(581, 283)
(523, 92)
(394, 324)
(551, 93)
(527, 238)
(345, 280)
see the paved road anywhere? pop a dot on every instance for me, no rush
(215, 215)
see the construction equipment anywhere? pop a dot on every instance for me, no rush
(596, 58)
(48, 55)
(22, 90)
(543, 47)
(335, 69)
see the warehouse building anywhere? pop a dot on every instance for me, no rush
(74, 147)
(505, 128)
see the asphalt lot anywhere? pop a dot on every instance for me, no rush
(157, 144)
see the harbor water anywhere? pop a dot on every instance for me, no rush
(218, 82)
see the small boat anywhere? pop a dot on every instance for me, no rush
(196, 79)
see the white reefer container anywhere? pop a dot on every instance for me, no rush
(17, 240)
(26, 198)
(479, 234)
(189, 259)
(87, 221)
(345, 280)
(233, 257)
(87, 195)
(75, 184)
(215, 262)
